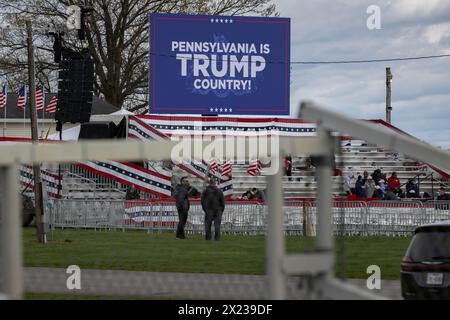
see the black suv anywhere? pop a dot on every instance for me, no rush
(425, 270)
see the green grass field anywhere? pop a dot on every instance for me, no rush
(160, 252)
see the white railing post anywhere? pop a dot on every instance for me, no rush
(10, 235)
(324, 169)
(325, 234)
(275, 237)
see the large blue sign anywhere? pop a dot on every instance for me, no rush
(219, 65)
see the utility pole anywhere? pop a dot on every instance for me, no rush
(388, 95)
(38, 196)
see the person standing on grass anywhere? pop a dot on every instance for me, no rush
(213, 204)
(182, 194)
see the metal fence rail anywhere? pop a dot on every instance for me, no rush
(379, 218)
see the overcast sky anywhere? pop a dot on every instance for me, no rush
(337, 30)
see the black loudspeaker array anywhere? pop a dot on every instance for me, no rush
(75, 87)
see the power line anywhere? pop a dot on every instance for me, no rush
(373, 60)
(296, 62)
(325, 62)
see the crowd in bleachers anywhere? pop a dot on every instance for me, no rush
(377, 186)
(253, 194)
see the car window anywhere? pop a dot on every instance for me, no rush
(429, 246)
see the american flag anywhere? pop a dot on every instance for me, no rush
(227, 169)
(52, 105)
(254, 168)
(39, 99)
(214, 166)
(22, 100)
(3, 96)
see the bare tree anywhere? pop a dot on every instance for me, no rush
(117, 34)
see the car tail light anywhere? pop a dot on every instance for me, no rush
(408, 264)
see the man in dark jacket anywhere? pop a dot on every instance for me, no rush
(359, 188)
(412, 190)
(442, 195)
(182, 194)
(213, 204)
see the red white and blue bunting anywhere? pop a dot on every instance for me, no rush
(213, 126)
(51, 181)
(142, 131)
(129, 174)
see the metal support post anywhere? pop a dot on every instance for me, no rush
(275, 245)
(10, 235)
(324, 194)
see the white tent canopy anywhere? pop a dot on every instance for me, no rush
(71, 134)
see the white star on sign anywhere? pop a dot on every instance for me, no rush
(212, 20)
(231, 20)
(221, 110)
(226, 20)
(221, 20)
(217, 20)
(212, 109)
(217, 110)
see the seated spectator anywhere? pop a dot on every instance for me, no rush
(246, 195)
(377, 194)
(442, 195)
(389, 195)
(383, 186)
(359, 188)
(394, 183)
(347, 182)
(412, 189)
(257, 194)
(365, 176)
(377, 176)
(369, 187)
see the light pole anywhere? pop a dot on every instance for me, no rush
(388, 95)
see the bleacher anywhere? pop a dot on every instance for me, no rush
(356, 158)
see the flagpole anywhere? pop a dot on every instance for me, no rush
(43, 111)
(4, 120)
(24, 116)
(5, 109)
